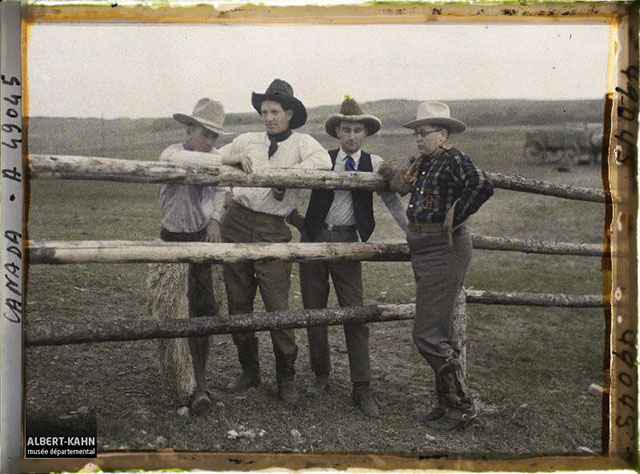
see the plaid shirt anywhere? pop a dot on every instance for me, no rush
(446, 179)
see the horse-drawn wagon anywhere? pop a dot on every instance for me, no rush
(565, 146)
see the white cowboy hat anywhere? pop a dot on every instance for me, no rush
(435, 113)
(350, 111)
(207, 113)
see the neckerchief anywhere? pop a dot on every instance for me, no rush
(411, 176)
(274, 139)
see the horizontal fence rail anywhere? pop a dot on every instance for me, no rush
(130, 330)
(123, 251)
(113, 169)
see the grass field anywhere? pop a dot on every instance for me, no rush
(529, 367)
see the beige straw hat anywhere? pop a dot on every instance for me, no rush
(207, 113)
(435, 113)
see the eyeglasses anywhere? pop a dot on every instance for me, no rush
(424, 133)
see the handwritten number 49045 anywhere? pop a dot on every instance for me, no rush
(13, 100)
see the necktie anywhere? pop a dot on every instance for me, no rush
(350, 164)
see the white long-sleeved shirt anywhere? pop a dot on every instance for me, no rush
(341, 211)
(298, 151)
(189, 208)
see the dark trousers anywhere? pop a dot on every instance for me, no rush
(347, 282)
(439, 270)
(242, 225)
(202, 301)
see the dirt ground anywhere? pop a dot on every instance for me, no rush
(528, 367)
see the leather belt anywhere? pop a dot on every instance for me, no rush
(340, 228)
(425, 227)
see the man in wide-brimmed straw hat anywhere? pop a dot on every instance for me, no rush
(258, 215)
(192, 213)
(339, 216)
(446, 188)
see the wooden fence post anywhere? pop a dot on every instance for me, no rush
(459, 328)
(167, 285)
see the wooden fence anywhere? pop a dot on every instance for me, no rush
(118, 251)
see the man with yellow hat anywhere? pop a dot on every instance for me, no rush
(340, 216)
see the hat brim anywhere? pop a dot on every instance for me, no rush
(373, 123)
(189, 120)
(288, 102)
(453, 125)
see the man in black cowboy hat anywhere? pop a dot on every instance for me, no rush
(339, 216)
(192, 214)
(257, 215)
(446, 188)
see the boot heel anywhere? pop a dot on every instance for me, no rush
(467, 421)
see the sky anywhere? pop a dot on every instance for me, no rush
(155, 70)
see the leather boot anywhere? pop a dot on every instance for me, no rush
(200, 403)
(437, 410)
(285, 372)
(248, 378)
(319, 385)
(248, 356)
(460, 411)
(287, 392)
(363, 399)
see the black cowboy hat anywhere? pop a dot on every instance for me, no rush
(281, 91)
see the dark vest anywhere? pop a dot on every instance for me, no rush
(321, 200)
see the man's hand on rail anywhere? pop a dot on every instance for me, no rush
(393, 171)
(243, 161)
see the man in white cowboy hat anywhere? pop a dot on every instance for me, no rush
(339, 216)
(446, 188)
(258, 215)
(192, 213)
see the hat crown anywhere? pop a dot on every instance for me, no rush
(210, 111)
(433, 110)
(279, 87)
(350, 107)
(435, 113)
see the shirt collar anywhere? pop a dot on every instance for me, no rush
(356, 156)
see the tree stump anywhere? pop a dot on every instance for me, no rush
(459, 328)
(167, 285)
